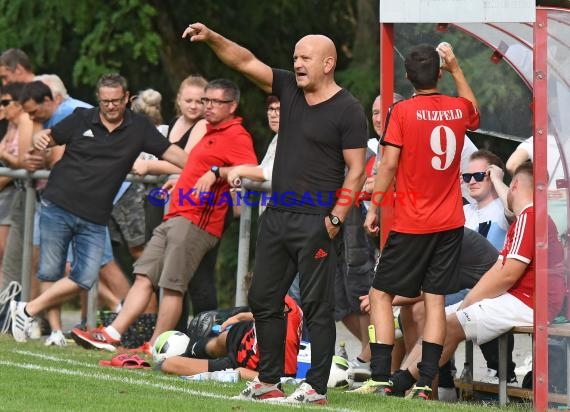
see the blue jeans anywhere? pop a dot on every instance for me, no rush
(58, 230)
(107, 255)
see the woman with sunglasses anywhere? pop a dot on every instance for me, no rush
(20, 126)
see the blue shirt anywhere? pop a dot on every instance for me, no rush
(65, 108)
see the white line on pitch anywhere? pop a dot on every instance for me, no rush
(132, 381)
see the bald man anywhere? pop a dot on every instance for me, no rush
(322, 133)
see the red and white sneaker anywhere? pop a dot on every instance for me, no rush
(306, 394)
(260, 392)
(145, 348)
(95, 339)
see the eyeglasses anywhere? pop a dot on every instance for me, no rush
(478, 176)
(6, 102)
(215, 102)
(273, 110)
(114, 102)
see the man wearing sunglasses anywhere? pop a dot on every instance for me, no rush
(484, 180)
(488, 216)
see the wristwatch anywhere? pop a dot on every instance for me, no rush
(215, 170)
(335, 220)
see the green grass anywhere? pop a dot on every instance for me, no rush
(38, 378)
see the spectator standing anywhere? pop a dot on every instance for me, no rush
(186, 130)
(102, 143)
(424, 137)
(323, 130)
(15, 66)
(20, 127)
(46, 100)
(192, 226)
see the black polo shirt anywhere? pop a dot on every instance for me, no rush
(309, 164)
(96, 161)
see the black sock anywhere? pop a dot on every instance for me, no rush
(429, 366)
(26, 312)
(402, 380)
(197, 349)
(380, 361)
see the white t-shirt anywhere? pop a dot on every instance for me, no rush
(554, 164)
(494, 212)
(468, 149)
(267, 163)
(493, 215)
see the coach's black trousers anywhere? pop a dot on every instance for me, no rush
(301, 241)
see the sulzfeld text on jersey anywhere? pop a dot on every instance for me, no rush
(439, 115)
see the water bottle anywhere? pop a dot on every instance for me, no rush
(204, 376)
(227, 376)
(342, 351)
(466, 382)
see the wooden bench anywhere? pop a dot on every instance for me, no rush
(562, 330)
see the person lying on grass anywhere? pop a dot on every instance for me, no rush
(236, 347)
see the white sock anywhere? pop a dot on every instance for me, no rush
(112, 332)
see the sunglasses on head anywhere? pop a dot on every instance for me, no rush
(478, 176)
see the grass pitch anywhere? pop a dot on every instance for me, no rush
(38, 378)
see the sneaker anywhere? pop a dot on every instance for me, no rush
(35, 329)
(21, 323)
(360, 370)
(56, 338)
(260, 392)
(81, 325)
(419, 392)
(306, 394)
(95, 339)
(447, 394)
(492, 376)
(379, 388)
(145, 348)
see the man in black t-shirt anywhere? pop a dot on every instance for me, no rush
(101, 145)
(322, 132)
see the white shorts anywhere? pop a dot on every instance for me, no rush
(490, 318)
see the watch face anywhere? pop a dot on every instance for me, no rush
(335, 220)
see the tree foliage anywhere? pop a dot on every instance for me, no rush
(80, 40)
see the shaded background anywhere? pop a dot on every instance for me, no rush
(141, 39)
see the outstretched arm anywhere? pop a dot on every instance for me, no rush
(232, 55)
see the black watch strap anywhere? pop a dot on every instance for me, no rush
(215, 170)
(335, 220)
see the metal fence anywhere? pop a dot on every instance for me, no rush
(29, 179)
